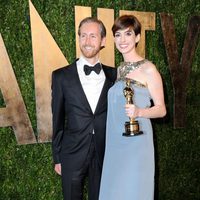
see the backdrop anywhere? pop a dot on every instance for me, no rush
(26, 171)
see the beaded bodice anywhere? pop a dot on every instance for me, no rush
(127, 67)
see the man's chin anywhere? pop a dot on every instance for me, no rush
(89, 55)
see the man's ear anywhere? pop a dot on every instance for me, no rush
(103, 42)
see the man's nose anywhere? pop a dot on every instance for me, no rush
(87, 41)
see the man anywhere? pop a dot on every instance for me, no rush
(79, 107)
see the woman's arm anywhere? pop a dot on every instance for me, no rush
(155, 86)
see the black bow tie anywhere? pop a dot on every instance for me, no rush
(96, 68)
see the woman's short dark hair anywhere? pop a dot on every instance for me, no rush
(93, 20)
(127, 21)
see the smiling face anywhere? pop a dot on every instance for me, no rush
(126, 40)
(90, 40)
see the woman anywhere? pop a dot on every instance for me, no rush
(128, 170)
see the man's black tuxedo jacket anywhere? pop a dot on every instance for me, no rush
(73, 119)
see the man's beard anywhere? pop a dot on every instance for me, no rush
(90, 54)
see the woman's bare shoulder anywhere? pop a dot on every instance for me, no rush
(149, 68)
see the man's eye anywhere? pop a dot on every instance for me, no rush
(117, 35)
(82, 36)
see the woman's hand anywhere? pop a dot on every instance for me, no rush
(131, 110)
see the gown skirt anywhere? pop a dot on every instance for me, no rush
(128, 169)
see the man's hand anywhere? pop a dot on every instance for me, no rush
(57, 168)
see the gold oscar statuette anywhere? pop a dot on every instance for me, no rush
(131, 126)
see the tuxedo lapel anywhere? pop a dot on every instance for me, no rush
(103, 95)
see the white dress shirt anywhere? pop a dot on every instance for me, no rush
(92, 84)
